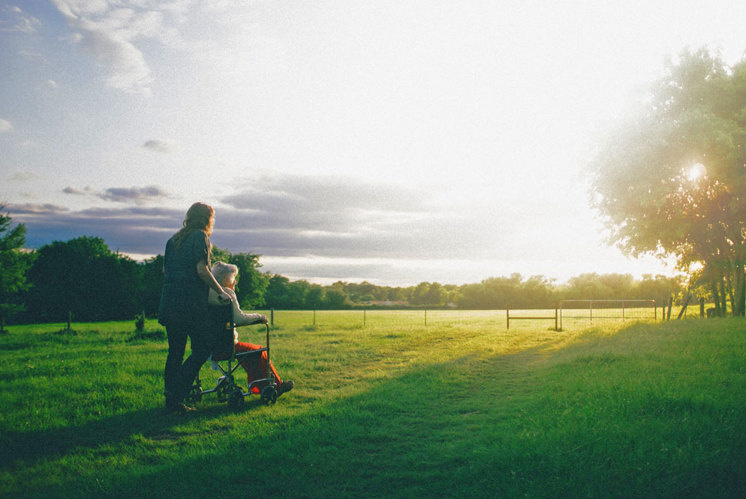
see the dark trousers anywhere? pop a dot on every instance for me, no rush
(178, 377)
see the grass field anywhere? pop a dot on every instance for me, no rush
(460, 407)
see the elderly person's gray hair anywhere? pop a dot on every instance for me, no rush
(222, 271)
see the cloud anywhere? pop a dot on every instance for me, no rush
(323, 203)
(136, 194)
(76, 192)
(51, 84)
(128, 70)
(130, 229)
(295, 215)
(326, 228)
(5, 126)
(159, 145)
(111, 33)
(19, 22)
(36, 209)
(22, 177)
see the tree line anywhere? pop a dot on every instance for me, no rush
(85, 278)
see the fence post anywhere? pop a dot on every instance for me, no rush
(272, 317)
(426, 317)
(701, 308)
(364, 318)
(314, 317)
(507, 313)
(556, 314)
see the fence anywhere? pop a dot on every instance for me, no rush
(360, 318)
(531, 318)
(564, 314)
(609, 309)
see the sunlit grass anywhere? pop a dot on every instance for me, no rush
(460, 407)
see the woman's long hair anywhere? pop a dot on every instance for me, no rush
(199, 216)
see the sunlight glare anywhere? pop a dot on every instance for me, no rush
(696, 172)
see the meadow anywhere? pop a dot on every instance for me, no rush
(389, 404)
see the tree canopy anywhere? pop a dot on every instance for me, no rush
(13, 266)
(671, 180)
(83, 277)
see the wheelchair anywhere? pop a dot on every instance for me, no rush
(220, 319)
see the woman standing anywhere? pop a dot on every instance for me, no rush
(183, 306)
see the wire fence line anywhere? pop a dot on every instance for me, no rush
(572, 315)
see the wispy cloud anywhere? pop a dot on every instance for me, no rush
(18, 21)
(76, 192)
(159, 145)
(136, 195)
(111, 33)
(5, 125)
(133, 194)
(22, 177)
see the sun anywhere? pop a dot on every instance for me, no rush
(696, 172)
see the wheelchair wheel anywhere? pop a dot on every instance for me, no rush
(235, 399)
(195, 394)
(224, 390)
(269, 394)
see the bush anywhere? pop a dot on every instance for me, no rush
(140, 322)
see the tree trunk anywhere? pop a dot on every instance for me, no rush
(716, 297)
(729, 290)
(723, 298)
(739, 298)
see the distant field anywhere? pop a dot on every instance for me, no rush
(385, 405)
(573, 318)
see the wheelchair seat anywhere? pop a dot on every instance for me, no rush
(220, 320)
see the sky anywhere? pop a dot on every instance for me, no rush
(389, 141)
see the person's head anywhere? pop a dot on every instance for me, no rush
(199, 216)
(225, 274)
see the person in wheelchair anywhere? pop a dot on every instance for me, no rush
(255, 365)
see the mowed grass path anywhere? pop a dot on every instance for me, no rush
(459, 408)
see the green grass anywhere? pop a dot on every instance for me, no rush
(460, 407)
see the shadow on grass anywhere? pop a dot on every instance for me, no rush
(23, 448)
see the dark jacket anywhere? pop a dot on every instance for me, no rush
(184, 295)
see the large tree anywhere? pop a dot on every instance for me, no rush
(13, 265)
(671, 180)
(84, 277)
